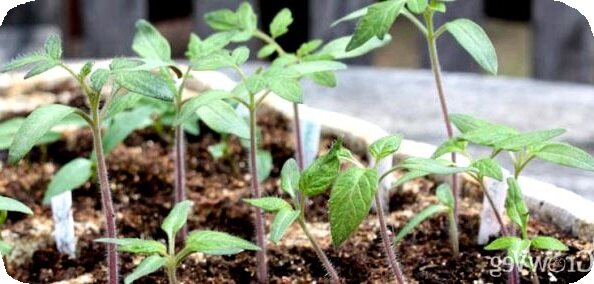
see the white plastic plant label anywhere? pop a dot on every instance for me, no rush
(64, 223)
(489, 225)
(310, 139)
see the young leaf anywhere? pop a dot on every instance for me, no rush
(283, 219)
(325, 79)
(320, 175)
(466, 123)
(240, 55)
(489, 135)
(350, 201)
(451, 146)
(307, 47)
(222, 20)
(149, 43)
(439, 167)
(264, 160)
(53, 47)
(137, 246)
(176, 219)
(351, 16)
(24, 60)
(119, 64)
(521, 140)
(145, 83)
(270, 204)
(565, 155)
(337, 48)
(198, 48)
(86, 69)
(410, 175)
(309, 67)
(247, 19)
(515, 207)
(474, 39)
(119, 102)
(42, 67)
(519, 252)
(285, 85)
(215, 60)
(385, 146)
(146, 267)
(417, 6)
(281, 22)
(266, 51)
(503, 243)
(37, 124)
(418, 219)
(445, 195)
(5, 248)
(192, 105)
(125, 123)
(217, 243)
(71, 176)
(221, 117)
(376, 22)
(290, 177)
(9, 204)
(217, 151)
(548, 243)
(488, 167)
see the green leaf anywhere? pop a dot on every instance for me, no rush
(119, 64)
(217, 243)
(418, 219)
(247, 19)
(5, 248)
(264, 160)
(503, 243)
(121, 101)
(216, 60)
(337, 47)
(350, 201)
(270, 204)
(37, 124)
(217, 151)
(285, 85)
(240, 55)
(445, 195)
(521, 140)
(307, 47)
(351, 16)
(176, 219)
(71, 176)
(565, 155)
(454, 145)
(53, 47)
(548, 243)
(24, 60)
(417, 6)
(309, 67)
(515, 207)
(290, 177)
(149, 43)
(9, 204)
(266, 51)
(439, 167)
(208, 98)
(281, 22)
(466, 123)
(376, 22)
(488, 167)
(146, 267)
(283, 219)
(410, 175)
(123, 124)
(476, 42)
(385, 147)
(519, 252)
(137, 246)
(145, 83)
(198, 49)
(41, 68)
(222, 20)
(86, 69)
(489, 135)
(325, 79)
(320, 175)
(221, 117)
(438, 7)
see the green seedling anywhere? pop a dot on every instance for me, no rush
(376, 20)
(6, 205)
(128, 74)
(158, 255)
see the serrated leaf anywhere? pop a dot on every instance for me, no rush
(283, 219)
(281, 22)
(475, 41)
(146, 267)
(350, 201)
(24, 60)
(376, 22)
(221, 117)
(149, 43)
(445, 195)
(9, 204)
(489, 135)
(176, 219)
(37, 124)
(521, 140)
(548, 243)
(466, 123)
(417, 6)
(432, 166)
(266, 51)
(71, 176)
(503, 243)
(418, 219)
(325, 79)
(565, 155)
(451, 146)
(270, 204)
(217, 243)
(123, 124)
(42, 67)
(5, 248)
(337, 47)
(264, 160)
(385, 147)
(138, 246)
(53, 47)
(515, 207)
(322, 173)
(145, 83)
(489, 168)
(198, 48)
(290, 177)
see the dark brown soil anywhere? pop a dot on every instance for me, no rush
(141, 178)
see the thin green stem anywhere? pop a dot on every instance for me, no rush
(269, 40)
(171, 268)
(415, 21)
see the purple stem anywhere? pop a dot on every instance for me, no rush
(391, 255)
(180, 174)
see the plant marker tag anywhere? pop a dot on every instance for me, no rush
(64, 223)
(383, 166)
(310, 139)
(489, 225)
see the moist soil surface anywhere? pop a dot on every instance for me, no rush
(141, 177)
